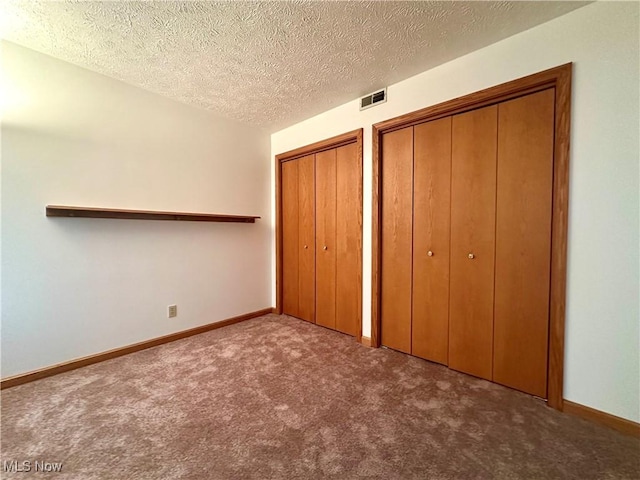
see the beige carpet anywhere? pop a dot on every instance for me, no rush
(278, 398)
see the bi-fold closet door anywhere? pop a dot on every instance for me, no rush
(416, 179)
(298, 237)
(322, 238)
(466, 240)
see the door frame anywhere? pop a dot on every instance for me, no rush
(354, 136)
(560, 79)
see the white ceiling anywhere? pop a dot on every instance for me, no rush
(269, 64)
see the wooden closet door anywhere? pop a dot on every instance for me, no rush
(348, 239)
(290, 238)
(523, 242)
(306, 232)
(396, 225)
(431, 238)
(326, 238)
(473, 210)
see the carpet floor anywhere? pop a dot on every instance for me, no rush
(279, 398)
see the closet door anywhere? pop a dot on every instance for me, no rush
(306, 233)
(431, 237)
(290, 238)
(473, 208)
(348, 239)
(523, 242)
(396, 225)
(326, 238)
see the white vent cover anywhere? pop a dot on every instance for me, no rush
(373, 99)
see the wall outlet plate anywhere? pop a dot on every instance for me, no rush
(172, 311)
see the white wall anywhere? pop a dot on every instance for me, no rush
(74, 287)
(602, 364)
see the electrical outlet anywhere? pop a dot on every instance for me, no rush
(172, 311)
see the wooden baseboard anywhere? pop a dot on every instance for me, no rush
(366, 341)
(621, 424)
(118, 352)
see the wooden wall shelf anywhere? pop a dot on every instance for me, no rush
(91, 212)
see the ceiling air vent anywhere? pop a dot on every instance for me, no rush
(373, 99)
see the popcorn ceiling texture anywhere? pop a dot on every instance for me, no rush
(269, 64)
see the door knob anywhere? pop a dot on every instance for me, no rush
(305, 247)
(324, 248)
(430, 253)
(471, 256)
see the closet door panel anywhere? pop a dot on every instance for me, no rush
(473, 207)
(290, 240)
(349, 240)
(396, 261)
(306, 228)
(431, 238)
(523, 242)
(326, 238)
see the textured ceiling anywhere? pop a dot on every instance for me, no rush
(269, 64)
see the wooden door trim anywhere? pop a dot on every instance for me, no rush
(560, 79)
(354, 136)
(329, 143)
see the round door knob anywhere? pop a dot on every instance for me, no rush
(305, 247)
(471, 256)
(430, 253)
(324, 248)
